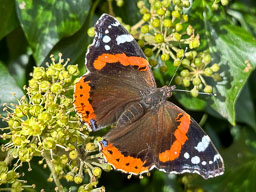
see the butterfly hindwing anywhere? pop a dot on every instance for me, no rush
(131, 148)
(185, 147)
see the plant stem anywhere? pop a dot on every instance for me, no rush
(203, 120)
(111, 12)
(137, 25)
(46, 155)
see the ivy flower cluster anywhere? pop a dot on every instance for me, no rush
(165, 35)
(44, 124)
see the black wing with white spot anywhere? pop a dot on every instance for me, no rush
(196, 155)
(112, 38)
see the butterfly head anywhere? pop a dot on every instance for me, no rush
(158, 96)
(167, 90)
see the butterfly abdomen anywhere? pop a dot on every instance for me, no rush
(132, 113)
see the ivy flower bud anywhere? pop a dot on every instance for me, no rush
(208, 89)
(45, 85)
(73, 154)
(49, 143)
(156, 23)
(56, 88)
(159, 38)
(78, 179)
(91, 32)
(146, 17)
(144, 29)
(167, 23)
(97, 172)
(73, 70)
(38, 73)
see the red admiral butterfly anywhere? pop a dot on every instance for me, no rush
(150, 131)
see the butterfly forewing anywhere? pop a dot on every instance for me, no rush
(118, 74)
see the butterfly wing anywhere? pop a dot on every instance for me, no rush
(166, 138)
(131, 148)
(118, 74)
(183, 146)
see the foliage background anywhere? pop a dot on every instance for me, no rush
(28, 37)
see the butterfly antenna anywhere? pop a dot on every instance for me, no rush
(178, 67)
(201, 93)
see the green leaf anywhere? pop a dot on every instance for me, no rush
(18, 62)
(245, 13)
(245, 111)
(7, 87)
(191, 103)
(125, 14)
(45, 22)
(8, 17)
(75, 46)
(235, 49)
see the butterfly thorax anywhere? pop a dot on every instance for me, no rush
(157, 97)
(150, 101)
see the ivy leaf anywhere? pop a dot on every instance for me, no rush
(75, 46)
(7, 87)
(8, 17)
(245, 13)
(46, 22)
(191, 103)
(235, 48)
(245, 111)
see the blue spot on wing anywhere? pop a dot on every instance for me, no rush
(93, 124)
(104, 142)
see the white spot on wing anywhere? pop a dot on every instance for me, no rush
(203, 144)
(216, 157)
(107, 47)
(115, 24)
(106, 39)
(203, 162)
(195, 160)
(124, 38)
(186, 155)
(210, 162)
(106, 31)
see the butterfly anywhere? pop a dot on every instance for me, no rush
(150, 131)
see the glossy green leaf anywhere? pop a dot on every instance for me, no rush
(235, 49)
(245, 111)
(18, 63)
(192, 103)
(245, 13)
(45, 22)
(8, 18)
(75, 46)
(8, 86)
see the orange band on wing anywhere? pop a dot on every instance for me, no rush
(125, 163)
(81, 101)
(181, 138)
(125, 60)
